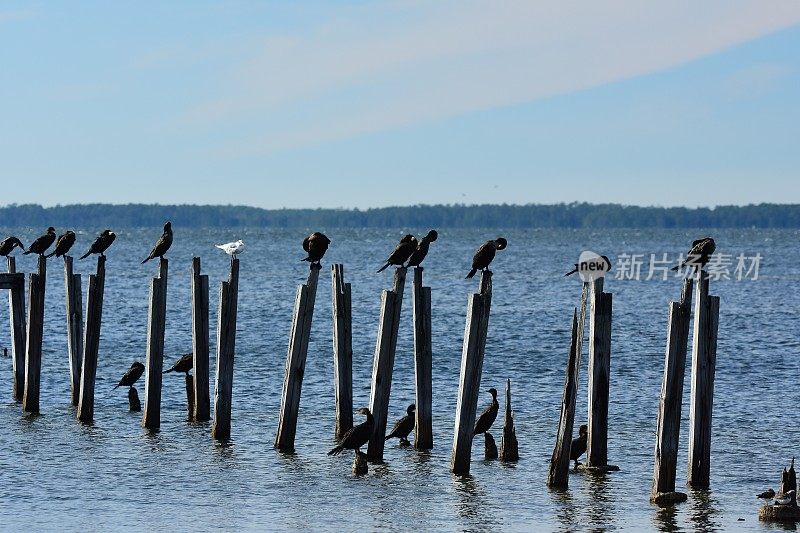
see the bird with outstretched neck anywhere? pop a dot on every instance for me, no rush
(357, 436)
(132, 375)
(315, 246)
(42, 243)
(63, 244)
(401, 252)
(485, 254)
(403, 427)
(8, 245)
(578, 446)
(488, 416)
(699, 254)
(422, 249)
(184, 364)
(101, 244)
(162, 245)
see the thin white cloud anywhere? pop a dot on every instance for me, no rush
(390, 65)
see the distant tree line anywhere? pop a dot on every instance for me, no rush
(573, 215)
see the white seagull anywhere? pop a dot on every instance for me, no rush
(785, 499)
(232, 248)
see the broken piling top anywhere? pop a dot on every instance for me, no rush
(509, 448)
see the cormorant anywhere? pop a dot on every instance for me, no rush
(578, 446)
(316, 245)
(605, 258)
(488, 416)
(184, 364)
(422, 248)
(8, 245)
(401, 252)
(403, 427)
(484, 255)
(63, 244)
(42, 243)
(101, 243)
(132, 375)
(356, 436)
(699, 254)
(162, 245)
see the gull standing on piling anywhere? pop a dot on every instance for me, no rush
(422, 249)
(42, 243)
(63, 244)
(403, 427)
(132, 375)
(485, 254)
(578, 446)
(488, 416)
(101, 244)
(184, 364)
(356, 436)
(699, 254)
(232, 248)
(315, 245)
(401, 252)
(162, 245)
(8, 244)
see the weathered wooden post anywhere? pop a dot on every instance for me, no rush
(296, 360)
(475, 331)
(134, 404)
(423, 363)
(16, 313)
(202, 399)
(226, 348)
(509, 449)
(154, 366)
(383, 362)
(599, 376)
(704, 360)
(33, 342)
(342, 350)
(74, 304)
(668, 425)
(91, 342)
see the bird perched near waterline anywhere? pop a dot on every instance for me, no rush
(785, 499)
(699, 254)
(401, 252)
(357, 436)
(184, 364)
(315, 245)
(484, 255)
(132, 375)
(63, 244)
(42, 243)
(101, 244)
(232, 248)
(422, 248)
(606, 269)
(403, 427)
(578, 446)
(767, 494)
(8, 244)
(162, 245)
(488, 416)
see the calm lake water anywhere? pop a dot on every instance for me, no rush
(56, 474)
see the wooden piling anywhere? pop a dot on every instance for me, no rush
(16, 313)
(154, 365)
(226, 348)
(342, 350)
(423, 363)
(474, 347)
(668, 424)
(383, 362)
(509, 448)
(599, 375)
(704, 360)
(91, 342)
(134, 405)
(190, 396)
(489, 447)
(200, 350)
(33, 342)
(74, 305)
(296, 360)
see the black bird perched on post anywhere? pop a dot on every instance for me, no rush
(162, 245)
(63, 244)
(699, 254)
(603, 257)
(488, 416)
(578, 446)
(8, 244)
(401, 252)
(184, 364)
(132, 375)
(422, 248)
(356, 436)
(484, 255)
(42, 243)
(101, 243)
(316, 245)
(403, 427)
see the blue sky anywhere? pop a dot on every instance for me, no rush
(361, 104)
